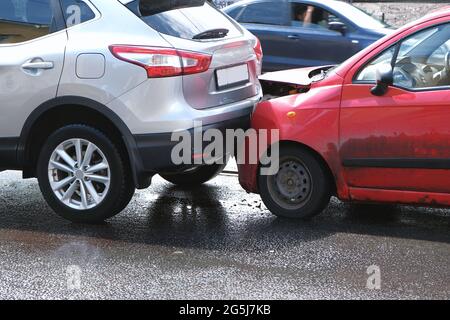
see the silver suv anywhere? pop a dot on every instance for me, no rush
(91, 91)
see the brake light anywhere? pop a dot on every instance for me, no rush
(258, 50)
(163, 62)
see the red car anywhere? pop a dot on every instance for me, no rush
(374, 129)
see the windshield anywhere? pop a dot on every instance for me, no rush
(358, 16)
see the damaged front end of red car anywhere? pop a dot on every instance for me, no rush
(285, 94)
(289, 82)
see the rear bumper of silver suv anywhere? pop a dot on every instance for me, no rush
(155, 149)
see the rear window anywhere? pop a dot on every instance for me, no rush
(188, 20)
(76, 12)
(234, 13)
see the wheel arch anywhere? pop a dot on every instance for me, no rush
(55, 113)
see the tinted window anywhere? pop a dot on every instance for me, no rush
(185, 22)
(23, 20)
(263, 13)
(76, 12)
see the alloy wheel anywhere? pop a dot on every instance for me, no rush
(79, 174)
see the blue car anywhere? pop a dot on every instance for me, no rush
(304, 33)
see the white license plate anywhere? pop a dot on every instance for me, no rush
(232, 77)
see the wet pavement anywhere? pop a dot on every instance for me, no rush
(218, 242)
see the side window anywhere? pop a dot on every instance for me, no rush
(368, 74)
(76, 12)
(422, 61)
(409, 43)
(23, 20)
(263, 13)
(311, 17)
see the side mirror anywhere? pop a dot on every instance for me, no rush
(384, 78)
(338, 27)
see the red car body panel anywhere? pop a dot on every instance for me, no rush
(407, 126)
(403, 135)
(316, 110)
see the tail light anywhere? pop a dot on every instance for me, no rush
(258, 50)
(163, 62)
(259, 55)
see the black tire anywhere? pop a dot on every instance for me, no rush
(301, 189)
(195, 177)
(121, 188)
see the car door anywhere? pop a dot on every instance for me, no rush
(32, 43)
(313, 43)
(401, 139)
(268, 20)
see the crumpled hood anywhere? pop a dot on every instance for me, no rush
(302, 77)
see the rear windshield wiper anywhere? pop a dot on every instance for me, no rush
(211, 34)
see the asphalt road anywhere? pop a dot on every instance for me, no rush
(218, 242)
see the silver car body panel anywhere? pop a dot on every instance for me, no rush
(95, 37)
(164, 104)
(22, 90)
(200, 89)
(170, 112)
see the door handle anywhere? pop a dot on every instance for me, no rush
(294, 37)
(39, 65)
